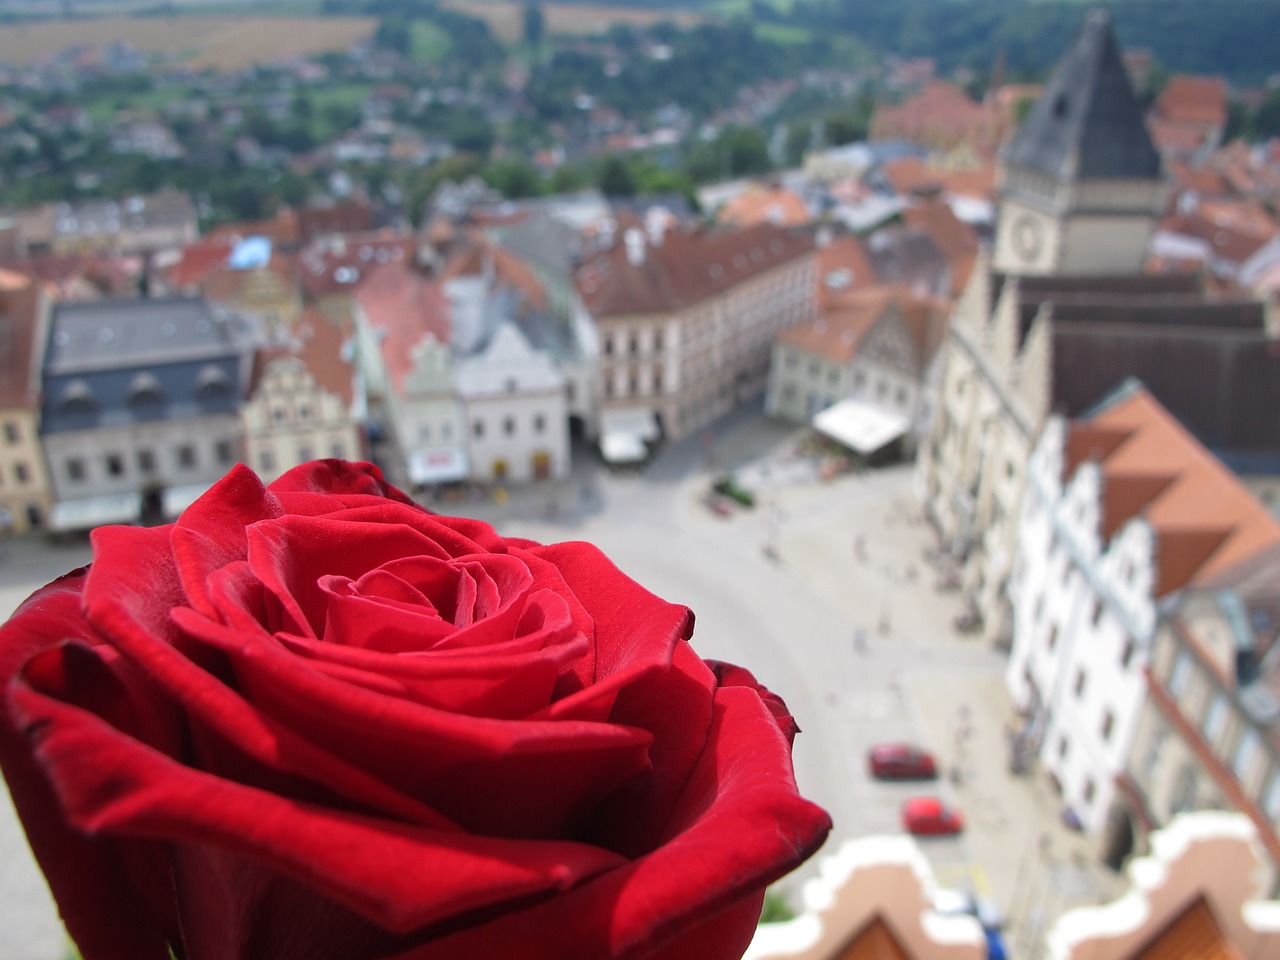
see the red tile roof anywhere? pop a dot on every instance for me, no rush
(842, 266)
(684, 268)
(407, 308)
(766, 203)
(339, 266)
(838, 333)
(941, 116)
(1204, 519)
(1196, 100)
(198, 261)
(322, 353)
(908, 175)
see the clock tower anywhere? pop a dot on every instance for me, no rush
(1080, 182)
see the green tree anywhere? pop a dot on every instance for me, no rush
(615, 179)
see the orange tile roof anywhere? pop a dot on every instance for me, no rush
(1194, 935)
(408, 308)
(198, 261)
(837, 334)
(281, 230)
(940, 116)
(327, 269)
(477, 254)
(322, 353)
(766, 203)
(956, 240)
(909, 175)
(1204, 180)
(1204, 519)
(842, 265)
(1197, 100)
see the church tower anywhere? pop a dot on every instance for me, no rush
(1081, 185)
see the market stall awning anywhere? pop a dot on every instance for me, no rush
(625, 434)
(443, 465)
(93, 512)
(862, 427)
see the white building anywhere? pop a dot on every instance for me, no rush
(516, 408)
(1121, 509)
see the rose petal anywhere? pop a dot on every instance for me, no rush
(397, 875)
(475, 770)
(740, 825)
(222, 715)
(83, 872)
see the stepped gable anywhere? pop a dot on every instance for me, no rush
(1205, 521)
(637, 275)
(1088, 124)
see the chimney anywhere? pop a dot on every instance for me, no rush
(634, 239)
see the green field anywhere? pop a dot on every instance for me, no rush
(428, 43)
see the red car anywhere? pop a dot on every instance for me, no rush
(929, 815)
(901, 761)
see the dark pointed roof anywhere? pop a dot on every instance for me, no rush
(1088, 123)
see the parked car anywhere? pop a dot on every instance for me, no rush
(930, 816)
(901, 761)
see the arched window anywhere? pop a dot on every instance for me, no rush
(77, 397)
(145, 391)
(212, 383)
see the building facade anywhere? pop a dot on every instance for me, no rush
(1122, 510)
(140, 406)
(25, 496)
(686, 321)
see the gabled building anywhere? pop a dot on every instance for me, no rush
(139, 413)
(873, 345)
(1209, 733)
(403, 330)
(1197, 895)
(686, 320)
(873, 899)
(1123, 509)
(25, 496)
(515, 404)
(1189, 116)
(300, 401)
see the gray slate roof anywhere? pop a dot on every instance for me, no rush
(1088, 123)
(104, 334)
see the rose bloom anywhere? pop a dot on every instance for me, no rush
(314, 720)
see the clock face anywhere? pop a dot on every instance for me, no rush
(1027, 237)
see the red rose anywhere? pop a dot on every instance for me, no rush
(316, 721)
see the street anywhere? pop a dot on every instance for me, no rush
(824, 592)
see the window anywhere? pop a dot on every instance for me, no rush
(633, 344)
(21, 473)
(1081, 681)
(1090, 788)
(1184, 791)
(657, 340)
(509, 426)
(1245, 753)
(1108, 724)
(277, 414)
(1271, 799)
(477, 429)
(1126, 655)
(902, 396)
(1154, 751)
(186, 456)
(267, 460)
(1053, 636)
(1096, 617)
(304, 412)
(1215, 718)
(115, 465)
(223, 451)
(539, 423)
(146, 461)
(633, 385)
(1180, 674)
(657, 381)
(75, 469)
(1064, 747)
(608, 346)
(11, 432)
(338, 451)
(305, 453)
